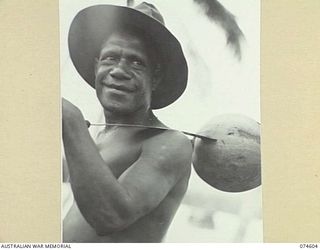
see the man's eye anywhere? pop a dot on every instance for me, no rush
(109, 59)
(137, 63)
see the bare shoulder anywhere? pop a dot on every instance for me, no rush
(171, 149)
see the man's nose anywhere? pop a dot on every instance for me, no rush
(119, 71)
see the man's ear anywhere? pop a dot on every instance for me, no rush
(96, 64)
(157, 77)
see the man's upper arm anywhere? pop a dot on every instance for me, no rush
(164, 160)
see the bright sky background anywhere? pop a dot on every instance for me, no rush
(218, 82)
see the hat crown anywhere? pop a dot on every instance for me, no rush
(150, 10)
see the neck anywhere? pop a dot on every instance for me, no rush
(146, 118)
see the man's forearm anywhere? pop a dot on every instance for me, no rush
(96, 190)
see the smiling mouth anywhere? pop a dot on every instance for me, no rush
(118, 87)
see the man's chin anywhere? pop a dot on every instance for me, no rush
(120, 109)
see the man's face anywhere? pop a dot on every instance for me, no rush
(124, 74)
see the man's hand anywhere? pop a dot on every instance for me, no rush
(70, 111)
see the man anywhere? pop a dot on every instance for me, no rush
(128, 184)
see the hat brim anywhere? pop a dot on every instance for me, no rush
(92, 25)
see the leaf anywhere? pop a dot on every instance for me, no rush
(217, 13)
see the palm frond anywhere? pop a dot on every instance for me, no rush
(217, 13)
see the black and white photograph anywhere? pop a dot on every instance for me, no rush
(160, 121)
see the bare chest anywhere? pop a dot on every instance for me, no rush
(119, 150)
